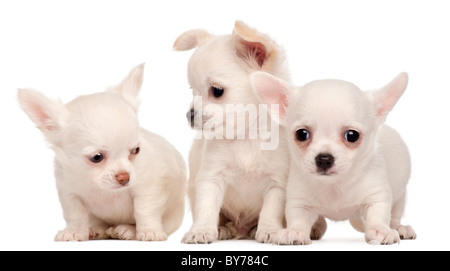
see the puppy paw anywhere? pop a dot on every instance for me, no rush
(227, 232)
(206, 236)
(292, 237)
(406, 232)
(98, 233)
(122, 232)
(151, 235)
(266, 234)
(68, 235)
(381, 235)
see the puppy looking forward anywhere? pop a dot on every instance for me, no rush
(237, 184)
(114, 179)
(345, 163)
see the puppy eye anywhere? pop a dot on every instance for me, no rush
(352, 136)
(302, 135)
(135, 151)
(97, 158)
(217, 91)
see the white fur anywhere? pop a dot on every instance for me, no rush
(95, 205)
(367, 182)
(234, 186)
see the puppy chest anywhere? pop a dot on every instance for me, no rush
(339, 213)
(337, 203)
(336, 208)
(241, 205)
(113, 208)
(245, 194)
(246, 156)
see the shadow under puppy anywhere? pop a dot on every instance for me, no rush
(236, 187)
(345, 163)
(114, 179)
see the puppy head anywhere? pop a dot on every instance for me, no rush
(332, 125)
(219, 68)
(96, 138)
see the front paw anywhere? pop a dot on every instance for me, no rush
(266, 234)
(406, 232)
(98, 233)
(122, 232)
(68, 235)
(206, 236)
(151, 235)
(227, 232)
(382, 235)
(292, 237)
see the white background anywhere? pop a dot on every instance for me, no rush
(70, 48)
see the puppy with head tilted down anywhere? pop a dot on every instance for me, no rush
(345, 163)
(114, 179)
(237, 183)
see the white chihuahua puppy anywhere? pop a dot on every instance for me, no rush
(345, 163)
(236, 188)
(114, 179)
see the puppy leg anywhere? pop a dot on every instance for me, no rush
(358, 224)
(377, 220)
(209, 198)
(271, 215)
(299, 220)
(299, 224)
(77, 219)
(405, 232)
(148, 212)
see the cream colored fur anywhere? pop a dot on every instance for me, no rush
(365, 181)
(97, 199)
(236, 190)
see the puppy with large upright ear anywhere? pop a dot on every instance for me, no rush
(114, 179)
(345, 162)
(237, 173)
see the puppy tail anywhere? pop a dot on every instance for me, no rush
(358, 224)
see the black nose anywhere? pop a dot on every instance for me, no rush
(190, 115)
(324, 161)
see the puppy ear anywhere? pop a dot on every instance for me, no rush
(385, 98)
(130, 86)
(191, 39)
(47, 114)
(272, 91)
(252, 46)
